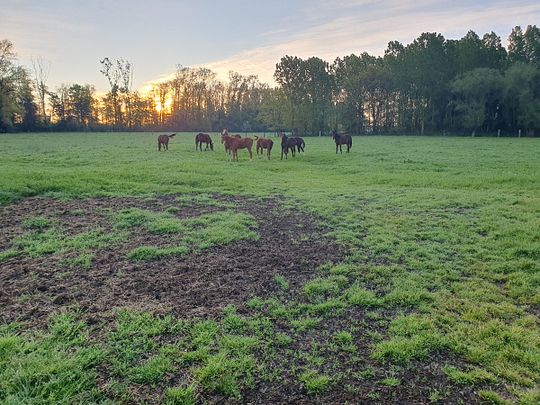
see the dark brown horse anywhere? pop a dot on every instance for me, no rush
(264, 143)
(342, 139)
(201, 138)
(286, 145)
(164, 140)
(232, 144)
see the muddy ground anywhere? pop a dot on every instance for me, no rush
(199, 285)
(291, 244)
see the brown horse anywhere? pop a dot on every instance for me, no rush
(264, 143)
(286, 145)
(226, 133)
(164, 140)
(201, 138)
(342, 139)
(232, 144)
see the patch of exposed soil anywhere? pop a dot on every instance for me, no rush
(199, 285)
(291, 244)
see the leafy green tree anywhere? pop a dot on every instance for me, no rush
(8, 75)
(477, 97)
(291, 74)
(522, 97)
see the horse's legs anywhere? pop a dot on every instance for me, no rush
(250, 153)
(336, 148)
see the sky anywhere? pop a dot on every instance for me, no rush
(247, 36)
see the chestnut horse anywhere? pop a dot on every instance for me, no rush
(232, 144)
(342, 139)
(164, 140)
(264, 143)
(226, 133)
(286, 144)
(203, 138)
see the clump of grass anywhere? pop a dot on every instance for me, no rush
(255, 303)
(55, 241)
(8, 254)
(390, 382)
(152, 370)
(155, 253)
(36, 223)
(412, 337)
(304, 324)
(345, 341)
(314, 382)
(324, 286)
(357, 295)
(474, 376)
(281, 282)
(84, 260)
(181, 395)
(491, 397)
(222, 374)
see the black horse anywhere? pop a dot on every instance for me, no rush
(342, 139)
(300, 144)
(286, 145)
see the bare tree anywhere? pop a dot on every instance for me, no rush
(41, 73)
(113, 75)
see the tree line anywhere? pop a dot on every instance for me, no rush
(473, 85)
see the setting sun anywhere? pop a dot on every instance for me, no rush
(166, 107)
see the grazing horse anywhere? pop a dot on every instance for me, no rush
(264, 143)
(232, 144)
(300, 144)
(286, 144)
(164, 140)
(203, 138)
(342, 139)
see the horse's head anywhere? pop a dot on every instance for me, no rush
(224, 136)
(224, 132)
(334, 134)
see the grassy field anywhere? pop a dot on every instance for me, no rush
(433, 294)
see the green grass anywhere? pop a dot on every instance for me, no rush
(54, 366)
(441, 236)
(198, 233)
(315, 383)
(42, 240)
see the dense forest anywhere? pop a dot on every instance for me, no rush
(472, 86)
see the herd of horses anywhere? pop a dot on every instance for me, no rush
(263, 145)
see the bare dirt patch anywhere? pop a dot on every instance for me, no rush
(291, 244)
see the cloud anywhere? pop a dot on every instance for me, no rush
(355, 32)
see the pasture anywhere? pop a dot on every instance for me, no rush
(405, 271)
